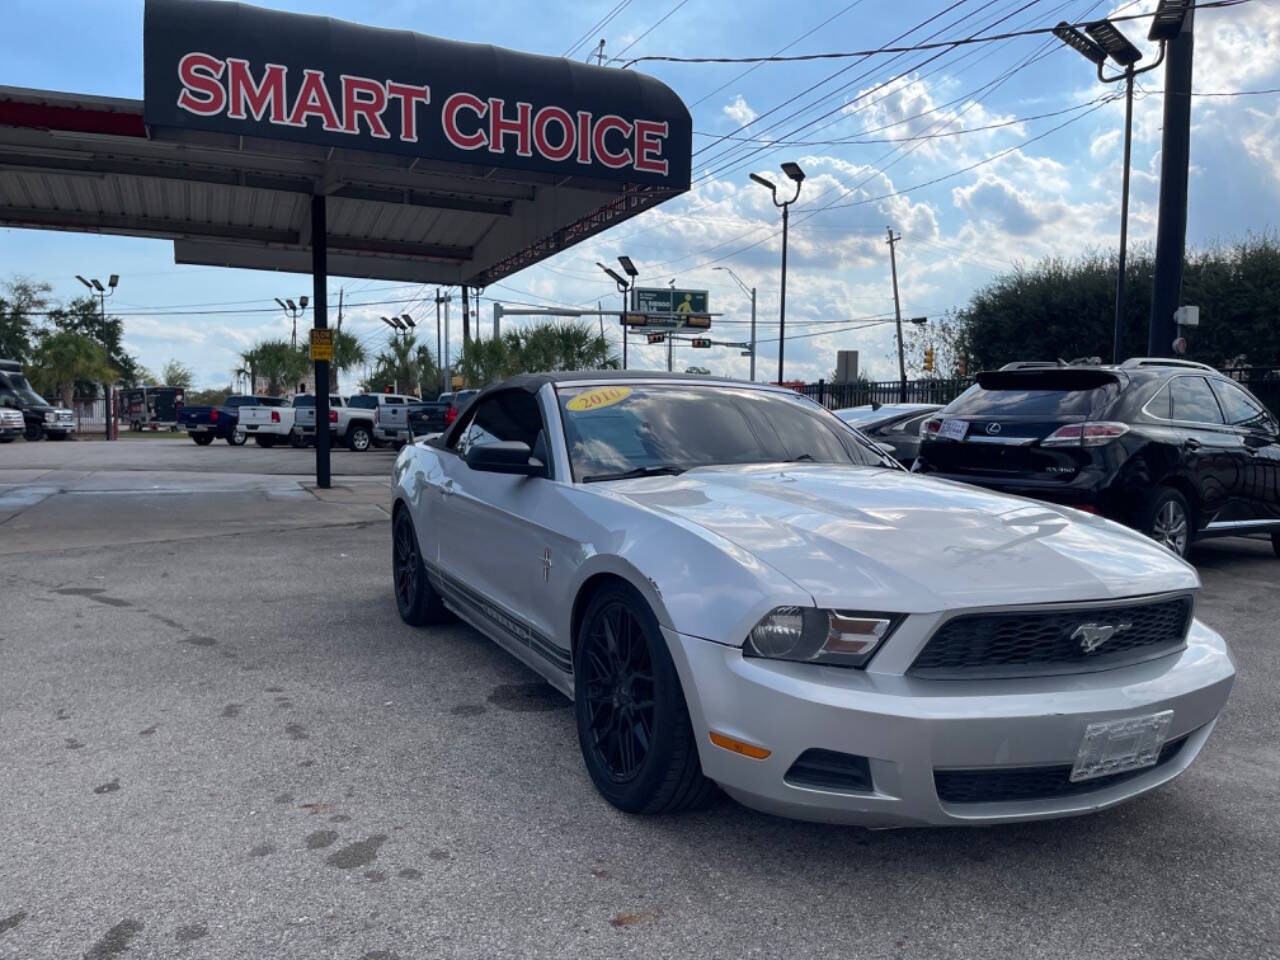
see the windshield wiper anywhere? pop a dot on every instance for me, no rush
(652, 471)
(803, 458)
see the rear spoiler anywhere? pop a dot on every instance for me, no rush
(1048, 378)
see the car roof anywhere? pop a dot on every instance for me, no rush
(533, 382)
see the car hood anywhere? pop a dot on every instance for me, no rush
(885, 539)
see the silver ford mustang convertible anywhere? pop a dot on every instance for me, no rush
(738, 590)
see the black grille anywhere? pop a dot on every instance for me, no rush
(1042, 642)
(1031, 783)
(829, 770)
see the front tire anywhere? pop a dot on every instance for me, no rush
(1167, 519)
(359, 438)
(633, 724)
(418, 602)
(295, 439)
(237, 437)
(35, 431)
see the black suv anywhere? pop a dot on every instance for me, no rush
(1170, 447)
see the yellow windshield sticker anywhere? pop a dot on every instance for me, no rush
(598, 398)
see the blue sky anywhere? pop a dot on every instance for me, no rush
(1046, 192)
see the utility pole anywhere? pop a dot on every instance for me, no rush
(897, 313)
(1175, 157)
(466, 318)
(439, 355)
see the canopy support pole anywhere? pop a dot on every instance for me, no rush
(320, 314)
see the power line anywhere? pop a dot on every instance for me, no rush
(655, 26)
(914, 48)
(599, 25)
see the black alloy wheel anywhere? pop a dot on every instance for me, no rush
(35, 431)
(633, 723)
(417, 601)
(1167, 520)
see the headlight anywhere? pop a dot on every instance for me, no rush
(50, 416)
(812, 635)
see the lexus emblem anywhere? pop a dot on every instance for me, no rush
(993, 428)
(1093, 635)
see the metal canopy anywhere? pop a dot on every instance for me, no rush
(237, 191)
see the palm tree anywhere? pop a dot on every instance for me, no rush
(279, 362)
(347, 353)
(64, 357)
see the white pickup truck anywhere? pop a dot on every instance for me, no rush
(271, 425)
(304, 421)
(391, 418)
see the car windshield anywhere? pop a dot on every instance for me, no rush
(1050, 395)
(23, 389)
(638, 428)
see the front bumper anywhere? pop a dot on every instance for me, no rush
(908, 728)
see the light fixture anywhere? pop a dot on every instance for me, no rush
(919, 320)
(292, 305)
(1168, 20)
(764, 182)
(1077, 41)
(629, 267)
(1116, 44)
(390, 323)
(409, 320)
(97, 285)
(84, 281)
(281, 302)
(302, 301)
(793, 171)
(622, 284)
(113, 280)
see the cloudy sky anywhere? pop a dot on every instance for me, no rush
(979, 157)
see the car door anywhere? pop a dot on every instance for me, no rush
(1214, 454)
(493, 548)
(1261, 438)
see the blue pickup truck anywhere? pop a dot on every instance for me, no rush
(206, 424)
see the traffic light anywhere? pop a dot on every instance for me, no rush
(928, 359)
(699, 342)
(657, 337)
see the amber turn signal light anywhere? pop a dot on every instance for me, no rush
(738, 746)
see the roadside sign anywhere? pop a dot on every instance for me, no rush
(688, 306)
(322, 346)
(701, 342)
(657, 337)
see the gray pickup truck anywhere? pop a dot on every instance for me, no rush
(390, 418)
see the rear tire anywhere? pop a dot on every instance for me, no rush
(359, 438)
(267, 440)
(417, 601)
(633, 724)
(202, 439)
(1167, 519)
(295, 439)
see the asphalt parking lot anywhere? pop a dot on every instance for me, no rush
(218, 740)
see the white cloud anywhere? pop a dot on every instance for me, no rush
(1104, 144)
(739, 111)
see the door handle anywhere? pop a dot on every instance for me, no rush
(1191, 443)
(446, 488)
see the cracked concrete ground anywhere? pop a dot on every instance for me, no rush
(218, 740)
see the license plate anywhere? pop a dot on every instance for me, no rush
(1116, 746)
(954, 429)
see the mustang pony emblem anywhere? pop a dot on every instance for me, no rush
(1094, 635)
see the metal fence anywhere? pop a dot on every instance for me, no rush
(837, 396)
(1262, 382)
(91, 415)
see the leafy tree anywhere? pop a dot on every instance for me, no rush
(83, 315)
(208, 398)
(1066, 308)
(176, 374)
(65, 358)
(21, 298)
(278, 362)
(405, 366)
(545, 345)
(347, 353)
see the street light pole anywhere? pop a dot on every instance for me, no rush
(793, 171)
(897, 316)
(751, 292)
(1124, 217)
(624, 287)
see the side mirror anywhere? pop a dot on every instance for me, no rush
(505, 456)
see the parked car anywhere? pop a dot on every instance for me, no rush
(150, 408)
(12, 425)
(391, 418)
(40, 418)
(430, 417)
(340, 415)
(736, 589)
(895, 427)
(204, 424)
(272, 423)
(1170, 447)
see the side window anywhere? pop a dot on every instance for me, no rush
(394, 400)
(510, 415)
(1158, 406)
(1193, 401)
(1240, 408)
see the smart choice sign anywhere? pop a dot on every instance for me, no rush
(238, 69)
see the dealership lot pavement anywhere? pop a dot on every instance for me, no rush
(218, 740)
